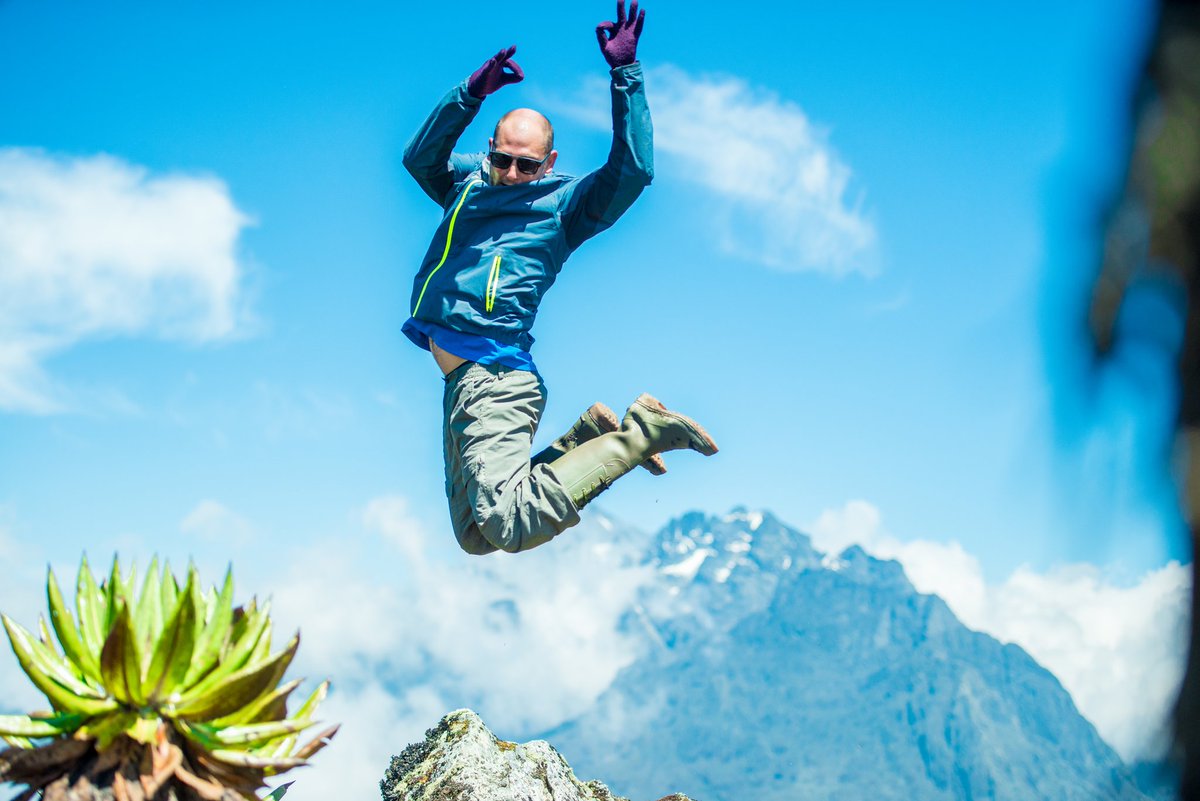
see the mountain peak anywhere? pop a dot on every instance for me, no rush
(747, 535)
(856, 564)
(777, 672)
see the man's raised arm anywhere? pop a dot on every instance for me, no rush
(605, 194)
(427, 155)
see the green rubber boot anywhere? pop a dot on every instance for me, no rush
(597, 420)
(649, 428)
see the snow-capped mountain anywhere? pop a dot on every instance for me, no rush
(776, 673)
(715, 571)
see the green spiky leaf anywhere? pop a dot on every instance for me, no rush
(121, 661)
(148, 613)
(261, 648)
(27, 726)
(238, 655)
(90, 605)
(271, 705)
(44, 636)
(60, 698)
(242, 618)
(309, 707)
(238, 689)
(168, 589)
(278, 793)
(173, 652)
(129, 585)
(51, 675)
(280, 748)
(114, 594)
(68, 633)
(246, 736)
(210, 603)
(216, 631)
(242, 759)
(24, 743)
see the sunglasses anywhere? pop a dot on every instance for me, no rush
(525, 165)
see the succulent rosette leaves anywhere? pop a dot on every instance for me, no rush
(157, 691)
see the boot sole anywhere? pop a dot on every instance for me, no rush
(606, 420)
(701, 442)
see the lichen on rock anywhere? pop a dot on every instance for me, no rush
(461, 760)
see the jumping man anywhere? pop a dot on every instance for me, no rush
(509, 223)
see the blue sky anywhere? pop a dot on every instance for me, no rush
(907, 366)
(851, 268)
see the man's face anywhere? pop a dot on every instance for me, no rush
(520, 141)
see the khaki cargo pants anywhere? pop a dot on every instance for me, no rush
(497, 500)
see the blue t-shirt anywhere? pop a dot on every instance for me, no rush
(472, 347)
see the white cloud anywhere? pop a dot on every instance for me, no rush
(390, 517)
(213, 521)
(779, 191)
(408, 628)
(1099, 638)
(95, 247)
(1103, 641)
(858, 522)
(377, 724)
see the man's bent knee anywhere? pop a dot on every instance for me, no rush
(499, 531)
(476, 546)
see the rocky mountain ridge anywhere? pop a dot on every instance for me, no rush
(774, 672)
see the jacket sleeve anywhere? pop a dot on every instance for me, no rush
(429, 155)
(602, 196)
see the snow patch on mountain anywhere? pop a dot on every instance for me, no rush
(690, 565)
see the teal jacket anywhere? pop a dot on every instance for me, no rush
(499, 248)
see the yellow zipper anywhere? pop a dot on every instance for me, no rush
(493, 282)
(449, 236)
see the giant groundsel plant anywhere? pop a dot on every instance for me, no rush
(167, 693)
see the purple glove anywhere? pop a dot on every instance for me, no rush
(618, 40)
(497, 71)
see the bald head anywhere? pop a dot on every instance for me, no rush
(525, 135)
(525, 124)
